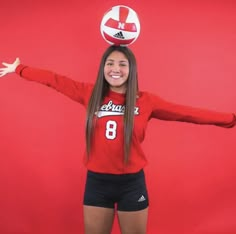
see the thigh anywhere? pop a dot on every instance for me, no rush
(133, 194)
(134, 222)
(98, 220)
(98, 191)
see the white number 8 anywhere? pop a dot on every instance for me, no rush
(111, 127)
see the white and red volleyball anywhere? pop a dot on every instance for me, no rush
(120, 26)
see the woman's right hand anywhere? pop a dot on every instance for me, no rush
(9, 67)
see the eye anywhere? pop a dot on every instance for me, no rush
(109, 64)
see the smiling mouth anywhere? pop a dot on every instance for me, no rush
(115, 77)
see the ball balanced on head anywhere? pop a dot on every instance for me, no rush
(120, 26)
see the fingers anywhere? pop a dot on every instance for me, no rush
(9, 67)
(17, 61)
(2, 70)
(5, 64)
(2, 73)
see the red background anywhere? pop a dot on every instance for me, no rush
(186, 53)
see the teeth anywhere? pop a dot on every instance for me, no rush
(116, 77)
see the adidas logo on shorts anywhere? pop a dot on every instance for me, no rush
(141, 199)
(119, 35)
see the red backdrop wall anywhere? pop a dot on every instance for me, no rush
(186, 53)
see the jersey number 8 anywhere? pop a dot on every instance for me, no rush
(111, 127)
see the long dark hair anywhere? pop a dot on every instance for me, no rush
(100, 90)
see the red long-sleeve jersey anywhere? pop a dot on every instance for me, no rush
(107, 154)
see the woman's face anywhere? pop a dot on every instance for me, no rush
(116, 71)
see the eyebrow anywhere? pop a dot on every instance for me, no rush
(112, 60)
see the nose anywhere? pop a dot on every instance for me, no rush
(116, 68)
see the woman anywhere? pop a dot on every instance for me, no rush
(117, 117)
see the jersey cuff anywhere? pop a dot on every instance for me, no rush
(20, 68)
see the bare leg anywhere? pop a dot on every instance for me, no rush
(134, 222)
(98, 220)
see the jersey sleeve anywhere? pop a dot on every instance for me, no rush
(77, 91)
(170, 111)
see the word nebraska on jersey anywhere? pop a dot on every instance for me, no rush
(110, 109)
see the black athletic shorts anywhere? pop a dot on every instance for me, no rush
(127, 191)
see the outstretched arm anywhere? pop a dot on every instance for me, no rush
(9, 67)
(76, 90)
(166, 110)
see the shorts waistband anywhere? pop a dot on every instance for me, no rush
(115, 177)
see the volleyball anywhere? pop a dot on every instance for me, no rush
(120, 26)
